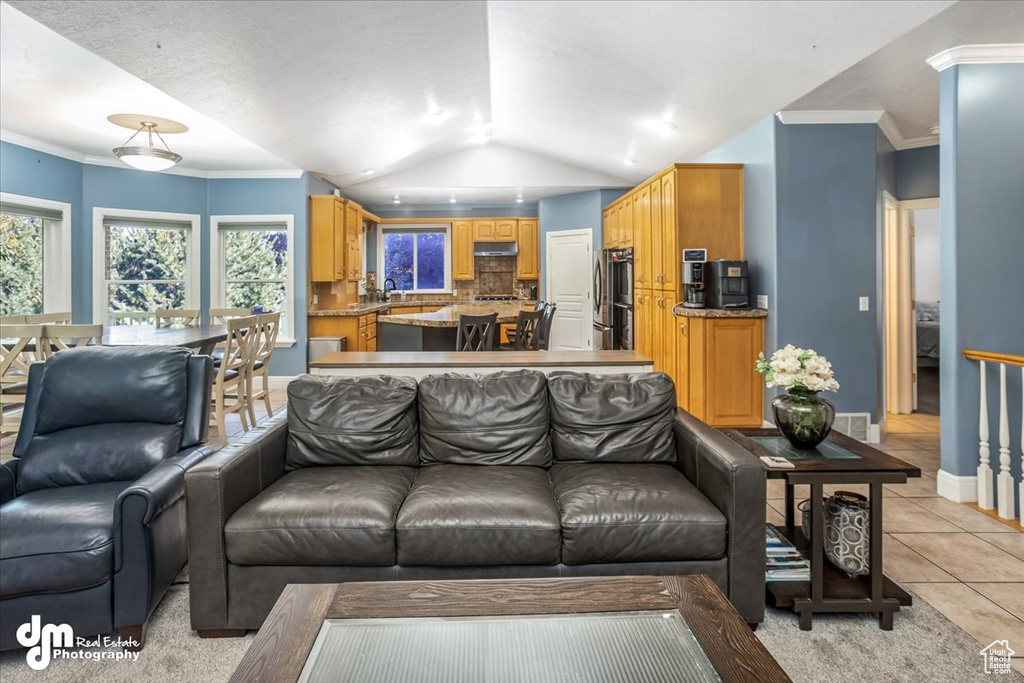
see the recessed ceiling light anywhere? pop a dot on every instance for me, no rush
(436, 113)
(396, 200)
(367, 171)
(629, 162)
(519, 200)
(452, 200)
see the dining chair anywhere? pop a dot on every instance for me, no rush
(476, 332)
(177, 317)
(511, 334)
(13, 320)
(21, 347)
(220, 316)
(527, 337)
(544, 333)
(49, 318)
(268, 326)
(229, 385)
(62, 337)
(131, 317)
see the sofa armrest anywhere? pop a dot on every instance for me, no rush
(8, 481)
(216, 488)
(734, 481)
(149, 537)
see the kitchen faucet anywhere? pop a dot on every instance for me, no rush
(393, 286)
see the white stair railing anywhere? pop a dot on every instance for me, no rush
(997, 490)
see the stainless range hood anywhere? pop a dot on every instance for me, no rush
(495, 249)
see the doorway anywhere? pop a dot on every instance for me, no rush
(569, 285)
(911, 285)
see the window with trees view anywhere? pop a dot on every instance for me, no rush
(34, 268)
(251, 264)
(416, 258)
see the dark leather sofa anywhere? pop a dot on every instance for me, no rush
(92, 510)
(467, 477)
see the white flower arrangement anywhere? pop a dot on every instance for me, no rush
(802, 370)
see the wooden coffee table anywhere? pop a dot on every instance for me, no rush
(842, 461)
(688, 612)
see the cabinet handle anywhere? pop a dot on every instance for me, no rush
(682, 329)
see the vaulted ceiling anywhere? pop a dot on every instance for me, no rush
(483, 100)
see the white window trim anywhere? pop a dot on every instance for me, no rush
(398, 227)
(56, 252)
(287, 337)
(192, 278)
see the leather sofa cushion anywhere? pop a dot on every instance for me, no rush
(87, 385)
(634, 513)
(321, 516)
(58, 540)
(352, 421)
(96, 454)
(470, 516)
(612, 418)
(495, 419)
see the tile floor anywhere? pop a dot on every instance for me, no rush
(964, 563)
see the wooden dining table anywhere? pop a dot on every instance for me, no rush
(202, 338)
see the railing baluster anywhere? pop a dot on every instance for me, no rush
(1004, 483)
(986, 494)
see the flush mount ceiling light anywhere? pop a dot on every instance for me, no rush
(149, 157)
(367, 171)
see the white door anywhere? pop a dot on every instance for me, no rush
(569, 285)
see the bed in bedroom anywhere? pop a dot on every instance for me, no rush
(927, 332)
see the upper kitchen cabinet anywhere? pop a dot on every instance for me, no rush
(505, 230)
(335, 239)
(462, 250)
(483, 230)
(528, 259)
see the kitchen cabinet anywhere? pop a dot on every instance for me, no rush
(335, 239)
(528, 243)
(463, 265)
(505, 230)
(483, 230)
(668, 262)
(720, 354)
(643, 322)
(642, 239)
(608, 217)
(663, 323)
(625, 231)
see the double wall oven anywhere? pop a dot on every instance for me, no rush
(613, 305)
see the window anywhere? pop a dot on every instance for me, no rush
(416, 257)
(252, 264)
(146, 261)
(34, 255)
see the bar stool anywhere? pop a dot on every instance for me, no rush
(476, 332)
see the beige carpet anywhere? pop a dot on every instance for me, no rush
(925, 646)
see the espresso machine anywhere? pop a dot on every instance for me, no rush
(693, 277)
(727, 284)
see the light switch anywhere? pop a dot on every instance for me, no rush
(864, 304)
(316, 299)
(762, 301)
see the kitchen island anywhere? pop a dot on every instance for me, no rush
(421, 364)
(437, 331)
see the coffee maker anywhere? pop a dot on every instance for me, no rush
(728, 284)
(693, 277)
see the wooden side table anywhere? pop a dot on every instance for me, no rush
(839, 460)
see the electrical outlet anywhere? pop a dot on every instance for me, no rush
(316, 299)
(762, 301)
(864, 304)
(455, 292)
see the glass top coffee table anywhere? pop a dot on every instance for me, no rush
(677, 629)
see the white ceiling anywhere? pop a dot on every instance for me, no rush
(338, 87)
(897, 78)
(58, 93)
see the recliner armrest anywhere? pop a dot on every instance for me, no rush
(735, 481)
(215, 489)
(8, 481)
(163, 485)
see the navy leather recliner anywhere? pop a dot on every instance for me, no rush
(92, 508)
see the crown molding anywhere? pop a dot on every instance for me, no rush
(1005, 53)
(72, 155)
(827, 116)
(880, 117)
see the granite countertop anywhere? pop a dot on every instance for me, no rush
(449, 315)
(379, 307)
(682, 312)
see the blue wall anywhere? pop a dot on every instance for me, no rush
(755, 149)
(917, 173)
(981, 110)
(36, 174)
(574, 211)
(827, 241)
